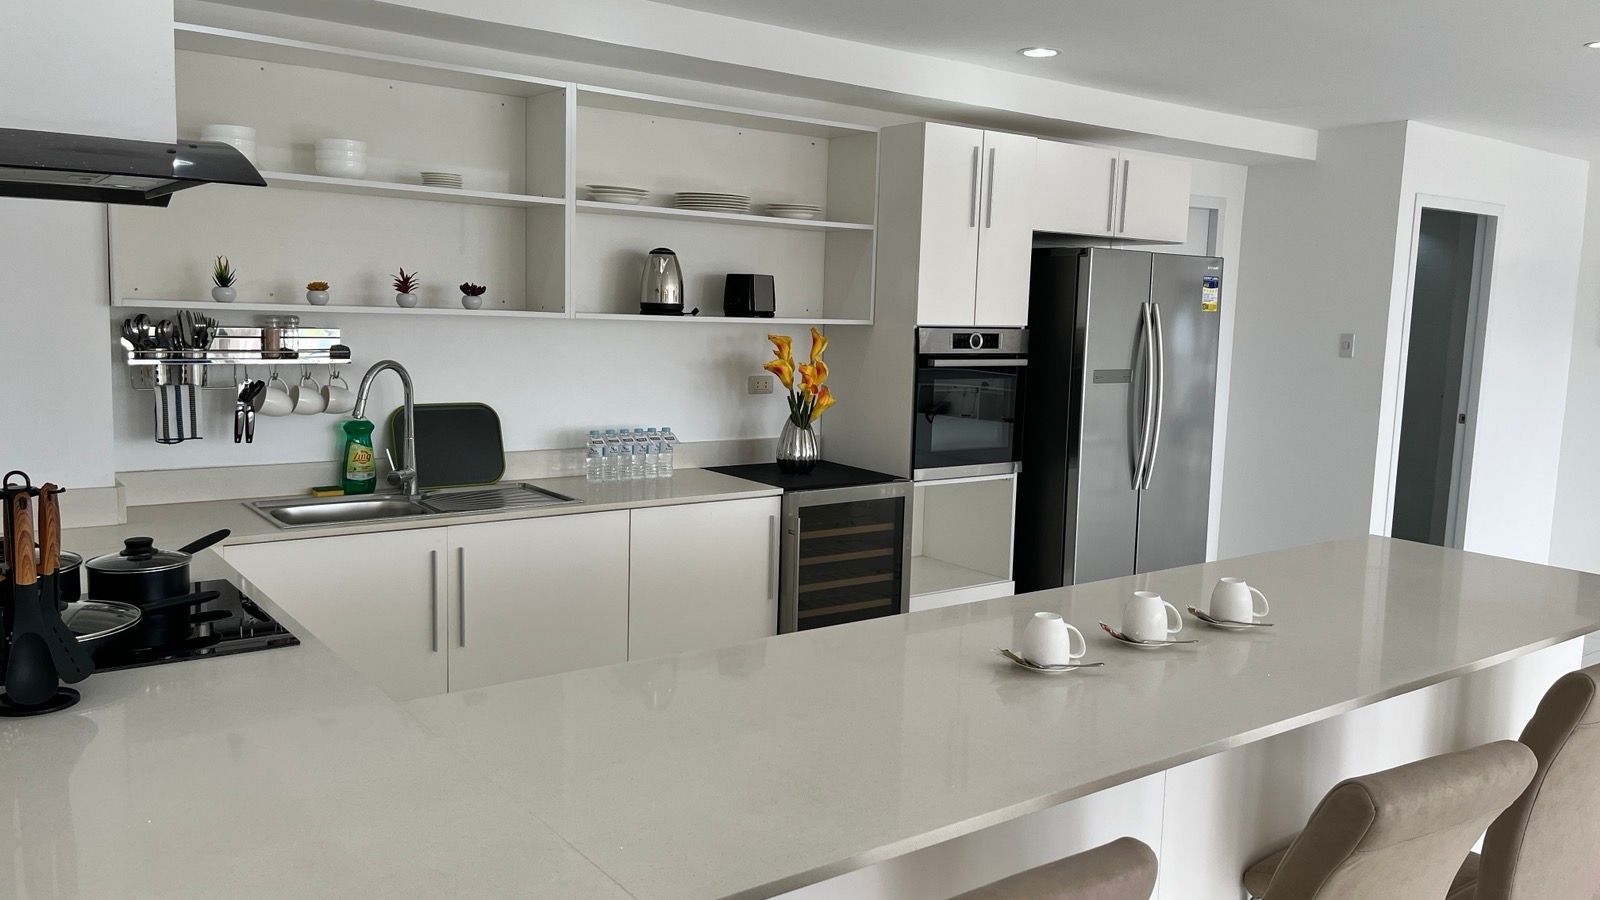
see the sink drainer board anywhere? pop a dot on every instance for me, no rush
(504, 496)
(458, 444)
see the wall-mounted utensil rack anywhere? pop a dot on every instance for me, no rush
(234, 346)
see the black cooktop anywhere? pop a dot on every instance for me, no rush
(231, 623)
(825, 475)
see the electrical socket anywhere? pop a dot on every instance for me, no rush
(759, 384)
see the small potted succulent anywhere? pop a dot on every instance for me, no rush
(405, 288)
(472, 295)
(317, 293)
(223, 276)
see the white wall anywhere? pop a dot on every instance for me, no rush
(1527, 342)
(99, 67)
(1575, 535)
(1312, 435)
(1319, 245)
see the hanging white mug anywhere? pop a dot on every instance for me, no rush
(1234, 601)
(1047, 641)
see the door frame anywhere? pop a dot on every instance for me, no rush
(1482, 289)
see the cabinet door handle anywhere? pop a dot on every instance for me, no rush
(1123, 226)
(1111, 198)
(433, 596)
(977, 179)
(988, 213)
(772, 558)
(461, 596)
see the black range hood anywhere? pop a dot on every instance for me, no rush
(53, 166)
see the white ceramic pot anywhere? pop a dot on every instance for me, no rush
(224, 294)
(471, 301)
(342, 168)
(332, 146)
(406, 301)
(317, 298)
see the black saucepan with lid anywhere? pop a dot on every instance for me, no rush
(143, 573)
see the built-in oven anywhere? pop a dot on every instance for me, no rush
(968, 406)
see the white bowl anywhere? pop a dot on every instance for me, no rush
(342, 154)
(246, 148)
(335, 145)
(342, 168)
(227, 132)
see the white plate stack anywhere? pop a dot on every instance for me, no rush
(794, 210)
(441, 179)
(341, 158)
(616, 193)
(710, 201)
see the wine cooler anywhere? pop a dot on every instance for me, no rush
(846, 555)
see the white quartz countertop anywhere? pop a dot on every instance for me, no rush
(742, 771)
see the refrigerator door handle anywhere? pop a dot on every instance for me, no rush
(1144, 354)
(1159, 359)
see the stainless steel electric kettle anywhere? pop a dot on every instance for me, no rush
(661, 288)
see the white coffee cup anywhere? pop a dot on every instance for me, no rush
(1234, 601)
(1047, 641)
(307, 397)
(1148, 617)
(275, 400)
(337, 398)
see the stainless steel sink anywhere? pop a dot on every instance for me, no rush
(337, 510)
(343, 510)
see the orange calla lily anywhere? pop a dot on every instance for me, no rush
(808, 376)
(824, 400)
(783, 347)
(819, 343)
(784, 369)
(820, 368)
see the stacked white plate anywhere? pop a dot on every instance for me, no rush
(616, 193)
(441, 179)
(711, 201)
(794, 210)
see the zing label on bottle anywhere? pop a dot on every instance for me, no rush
(359, 464)
(1210, 293)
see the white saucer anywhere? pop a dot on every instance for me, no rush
(1225, 624)
(1021, 663)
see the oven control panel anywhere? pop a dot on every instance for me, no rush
(969, 340)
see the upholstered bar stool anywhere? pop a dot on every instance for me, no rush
(1547, 844)
(1398, 833)
(1124, 869)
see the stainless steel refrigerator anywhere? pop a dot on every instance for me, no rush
(1116, 436)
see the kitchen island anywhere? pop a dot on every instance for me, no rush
(765, 766)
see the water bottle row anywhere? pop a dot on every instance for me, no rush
(624, 454)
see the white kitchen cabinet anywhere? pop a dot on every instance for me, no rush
(1102, 192)
(1005, 239)
(702, 575)
(1154, 198)
(537, 596)
(1075, 187)
(375, 600)
(956, 209)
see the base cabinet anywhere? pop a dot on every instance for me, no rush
(376, 600)
(537, 596)
(703, 575)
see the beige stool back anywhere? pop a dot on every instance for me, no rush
(1404, 831)
(1547, 844)
(1124, 869)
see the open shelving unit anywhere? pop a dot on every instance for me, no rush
(961, 536)
(522, 224)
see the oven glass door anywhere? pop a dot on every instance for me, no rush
(851, 561)
(966, 414)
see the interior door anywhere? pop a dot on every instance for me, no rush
(538, 596)
(952, 187)
(1113, 286)
(1174, 510)
(1073, 188)
(1005, 235)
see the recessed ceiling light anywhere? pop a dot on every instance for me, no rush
(1593, 45)
(1047, 52)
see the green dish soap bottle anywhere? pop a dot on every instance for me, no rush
(360, 463)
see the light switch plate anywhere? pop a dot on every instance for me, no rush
(1347, 346)
(759, 384)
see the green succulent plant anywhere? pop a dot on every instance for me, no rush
(223, 274)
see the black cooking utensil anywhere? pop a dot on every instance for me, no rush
(31, 679)
(72, 662)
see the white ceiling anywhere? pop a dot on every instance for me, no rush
(1501, 68)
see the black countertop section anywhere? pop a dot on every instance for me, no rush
(825, 475)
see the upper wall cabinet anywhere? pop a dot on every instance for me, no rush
(956, 223)
(1106, 193)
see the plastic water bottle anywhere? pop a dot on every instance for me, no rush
(652, 453)
(669, 444)
(636, 454)
(613, 458)
(643, 463)
(594, 457)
